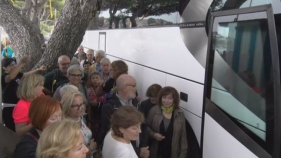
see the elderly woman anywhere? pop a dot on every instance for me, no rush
(73, 107)
(125, 123)
(75, 74)
(62, 140)
(10, 78)
(43, 111)
(96, 66)
(167, 126)
(30, 87)
(151, 93)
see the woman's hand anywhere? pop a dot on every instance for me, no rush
(42, 68)
(92, 145)
(158, 136)
(25, 60)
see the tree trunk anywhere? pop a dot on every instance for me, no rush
(66, 37)
(133, 21)
(26, 38)
(69, 31)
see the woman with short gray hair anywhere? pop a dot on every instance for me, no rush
(74, 73)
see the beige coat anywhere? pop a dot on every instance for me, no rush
(179, 140)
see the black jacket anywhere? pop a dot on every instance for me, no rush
(112, 104)
(145, 107)
(27, 145)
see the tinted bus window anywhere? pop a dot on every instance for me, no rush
(116, 14)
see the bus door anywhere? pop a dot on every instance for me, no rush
(242, 84)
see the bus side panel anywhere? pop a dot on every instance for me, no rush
(91, 40)
(159, 48)
(226, 146)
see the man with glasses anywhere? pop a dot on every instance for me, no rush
(126, 89)
(58, 76)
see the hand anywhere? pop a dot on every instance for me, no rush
(42, 68)
(25, 59)
(144, 152)
(158, 136)
(93, 145)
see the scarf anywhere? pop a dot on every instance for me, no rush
(168, 110)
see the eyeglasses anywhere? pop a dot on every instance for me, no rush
(76, 75)
(132, 85)
(76, 107)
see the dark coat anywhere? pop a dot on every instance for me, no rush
(27, 145)
(112, 104)
(145, 107)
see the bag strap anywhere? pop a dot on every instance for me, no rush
(32, 136)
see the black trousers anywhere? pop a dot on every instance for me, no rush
(8, 118)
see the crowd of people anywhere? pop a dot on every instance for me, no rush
(89, 107)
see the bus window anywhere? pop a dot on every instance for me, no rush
(117, 14)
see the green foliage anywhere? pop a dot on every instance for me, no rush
(46, 29)
(47, 23)
(18, 4)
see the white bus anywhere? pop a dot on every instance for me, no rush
(222, 56)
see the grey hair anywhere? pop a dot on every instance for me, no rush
(100, 52)
(90, 50)
(105, 60)
(68, 88)
(75, 67)
(73, 61)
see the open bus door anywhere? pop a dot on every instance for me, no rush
(242, 92)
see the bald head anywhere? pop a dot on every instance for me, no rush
(64, 63)
(126, 86)
(63, 57)
(124, 80)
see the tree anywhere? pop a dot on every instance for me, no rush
(66, 37)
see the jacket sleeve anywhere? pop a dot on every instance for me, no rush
(183, 140)
(25, 150)
(106, 114)
(149, 120)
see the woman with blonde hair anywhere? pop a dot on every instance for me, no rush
(62, 140)
(30, 87)
(73, 107)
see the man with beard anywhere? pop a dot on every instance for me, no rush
(126, 88)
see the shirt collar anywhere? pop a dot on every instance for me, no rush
(124, 102)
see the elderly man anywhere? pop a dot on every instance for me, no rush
(126, 88)
(90, 57)
(99, 55)
(57, 77)
(80, 51)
